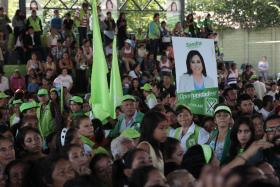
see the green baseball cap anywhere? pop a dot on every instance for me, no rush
(53, 90)
(183, 106)
(43, 92)
(18, 101)
(254, 77)
(128, 97)
(77, 99)
(130, 133)
(3, 95)
(27, 106)
(146, 87)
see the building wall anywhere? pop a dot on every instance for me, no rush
(243, 46)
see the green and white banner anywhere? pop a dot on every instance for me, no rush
(196, 74)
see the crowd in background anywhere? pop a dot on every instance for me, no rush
(50, 137)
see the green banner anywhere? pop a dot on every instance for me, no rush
(200, 101)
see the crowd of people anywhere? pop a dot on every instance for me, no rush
(50, 137)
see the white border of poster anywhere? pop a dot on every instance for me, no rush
(201, 98)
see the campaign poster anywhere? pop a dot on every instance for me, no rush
(173, 10)
(109, 6)
(34, 5)
(196, 74)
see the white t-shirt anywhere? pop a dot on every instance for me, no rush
(4, 85)
(65, 81)
(263, 66)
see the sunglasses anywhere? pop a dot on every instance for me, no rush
(272, 129)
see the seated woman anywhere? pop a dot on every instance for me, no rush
(34, 64)
(64, 79)
(50, 65)
(66, 62)
(127, 55)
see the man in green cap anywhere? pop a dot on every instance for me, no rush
(47, 114)
(76, 106)
(130, 118)
(15, 117)
(28, 108)
(151, 100)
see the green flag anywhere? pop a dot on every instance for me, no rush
(116, 92)
(99, 85)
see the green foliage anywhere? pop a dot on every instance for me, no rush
(240, 13)
(140, 20)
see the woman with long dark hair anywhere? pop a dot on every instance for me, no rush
(242, 136)
(153, 134)
(121, 25)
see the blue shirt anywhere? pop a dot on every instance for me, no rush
(56, 23)
(32, 87)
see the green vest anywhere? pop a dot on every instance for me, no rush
(75, 115)
(193, 138)
(78, 21)
(225, 155)
(46, 121)
(136, 124)
(13, 119)
(96, 150)
(35, 23)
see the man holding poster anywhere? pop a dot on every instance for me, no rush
(196, 71)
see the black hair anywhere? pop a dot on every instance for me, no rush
(79, 120)
(194, 160)
(163, 95)
(13, 164)
(225, 93)
(261, 183)
(191, 54)
(243, 97)
(118, 175)
(235, 145)
(22, 152)
(272, 117)
(156, 14)
(273, 83)
(48, 166)
(244, 172)
(70, 134)
(121, 14)
(249, 86)
(66, 149)
(4, 128)
(96, 158)
(267, 99)
(81, 181)
(170, 147)
(99, 134)
(140, 175)
(148, 126)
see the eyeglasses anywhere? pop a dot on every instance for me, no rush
(272, 129)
